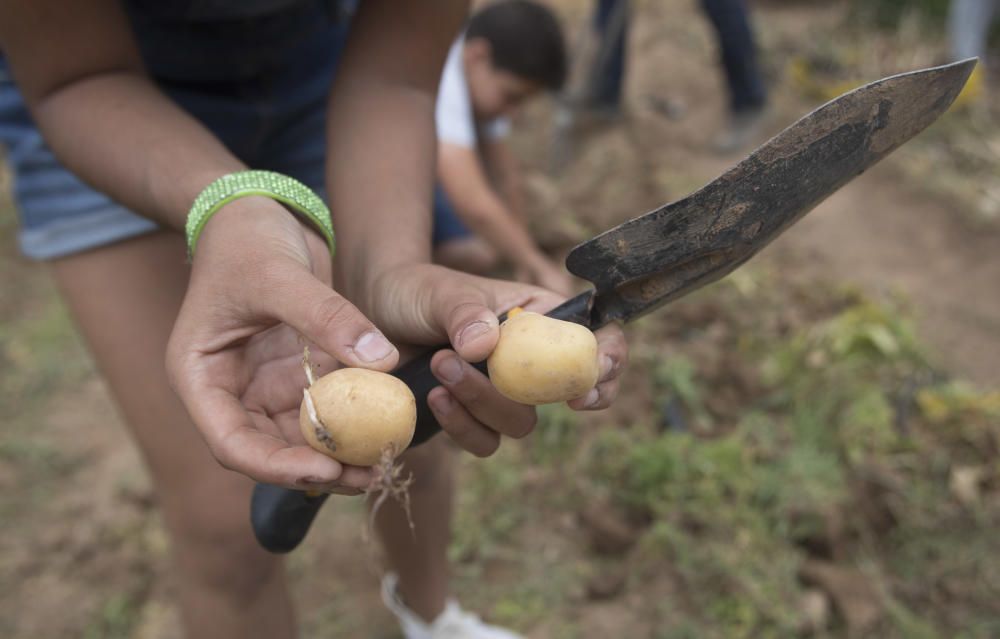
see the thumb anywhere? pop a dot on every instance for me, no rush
(463, 311)
(324, 317)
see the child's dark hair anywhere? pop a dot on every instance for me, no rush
(525, 39)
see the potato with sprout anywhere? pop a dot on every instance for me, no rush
(357, 416)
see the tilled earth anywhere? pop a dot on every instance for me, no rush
(721, 495)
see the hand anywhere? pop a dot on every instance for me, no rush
(431, 305)
(548, 274)
(259, 281)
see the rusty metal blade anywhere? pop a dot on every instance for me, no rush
(673, 250)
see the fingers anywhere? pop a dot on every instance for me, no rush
(324, 317)
(612, 354)
(612, 349)
(463, 310)
(238, 445)
(598, 398)
(462, 427)
(354, 480)
(471, 410)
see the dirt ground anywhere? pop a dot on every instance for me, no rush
(83, 552)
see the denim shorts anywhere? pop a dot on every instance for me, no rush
(447, 225)
(260, 85)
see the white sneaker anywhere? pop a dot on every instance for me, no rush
(452, 623)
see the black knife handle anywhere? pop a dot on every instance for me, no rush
(281, 516)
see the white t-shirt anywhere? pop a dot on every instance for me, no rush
(456, 123)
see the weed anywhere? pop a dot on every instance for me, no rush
(115, 619)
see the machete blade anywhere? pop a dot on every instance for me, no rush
(671, 251)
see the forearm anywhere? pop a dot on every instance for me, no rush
(506, 173)
(477, 203)
(78, 67)
(379, 176)
(119, 133)
(381, 143)
(489, 217)
(511, 186)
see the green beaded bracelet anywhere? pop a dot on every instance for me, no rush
(282, 188)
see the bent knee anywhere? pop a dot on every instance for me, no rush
(468, 254)
(216, 549)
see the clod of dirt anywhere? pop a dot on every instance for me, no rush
(606, 584)
(854, 596)
(874, 488)
(609, 532)
(827, 540)
(814, 611)
(136, 488)
(965, 483)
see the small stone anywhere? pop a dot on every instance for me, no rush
(854, 595)
(609, 533)
(814, 611)
(606, 584)
(965, 484)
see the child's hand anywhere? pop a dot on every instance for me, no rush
(431, 305)
(260, 279)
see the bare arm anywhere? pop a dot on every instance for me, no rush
(506, 173)
(479, 206)
(79, 70)
(381, 126)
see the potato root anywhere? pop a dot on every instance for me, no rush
(541, 360)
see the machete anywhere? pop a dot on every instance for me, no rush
(669, 252)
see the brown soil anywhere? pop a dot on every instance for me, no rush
(81, 546)
(877, 233)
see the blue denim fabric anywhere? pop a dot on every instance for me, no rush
(609, 72)
(211, 10)
(447, 226)
(738, 53)
(260, 84)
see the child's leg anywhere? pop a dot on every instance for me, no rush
(455, 246)
(124, 298)
(420, 558)
(468, 254)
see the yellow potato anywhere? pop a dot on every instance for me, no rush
(356, 414)
(541, 360)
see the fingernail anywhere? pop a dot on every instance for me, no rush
(591, 398)
(443, 403)
(346, 491)
(316, 483)
(372, 347)
(472, 331)
(450, 370)
(607, 365)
